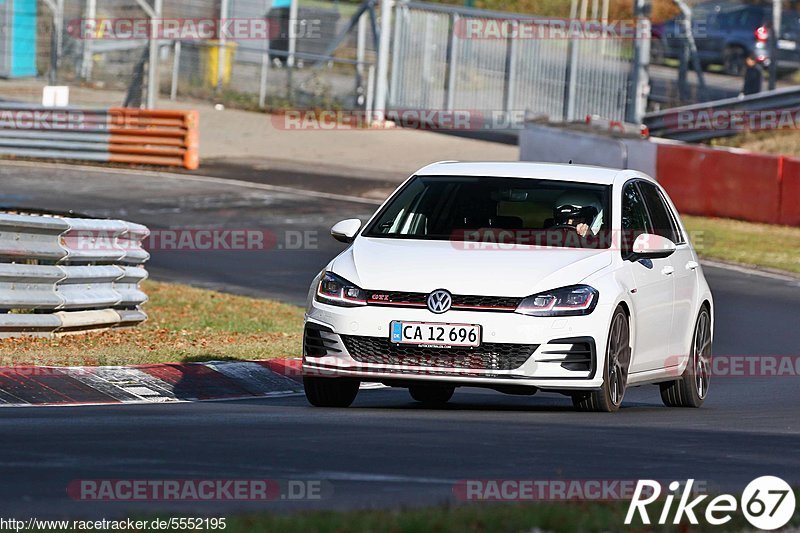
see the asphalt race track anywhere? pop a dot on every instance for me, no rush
(386, 450)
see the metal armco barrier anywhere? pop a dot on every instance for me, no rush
(681, 123)
(114, 135)
(61, 275)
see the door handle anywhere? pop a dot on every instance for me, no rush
(668, 270)
(692, 265)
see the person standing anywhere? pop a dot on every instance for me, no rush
(753, 75)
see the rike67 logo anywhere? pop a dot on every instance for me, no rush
(768, 503)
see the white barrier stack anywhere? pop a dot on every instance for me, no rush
(89, 287)
(584, 146)
(25, 236)
(62, 275)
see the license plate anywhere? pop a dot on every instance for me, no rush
(787, 45)
(433, 334)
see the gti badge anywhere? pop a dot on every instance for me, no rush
(439, 301)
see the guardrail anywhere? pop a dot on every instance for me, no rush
(113, 135)
(694, 123)
(61, 275)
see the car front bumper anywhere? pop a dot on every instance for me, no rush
(556, 353)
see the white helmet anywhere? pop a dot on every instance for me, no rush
(578, 205)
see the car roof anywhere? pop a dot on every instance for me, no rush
(520, 169)
(729, 7)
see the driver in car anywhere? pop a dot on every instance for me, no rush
(580, 211)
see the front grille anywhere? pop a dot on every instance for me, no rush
(460, 302)
(410, 299)
(486, 301)
(489, 356)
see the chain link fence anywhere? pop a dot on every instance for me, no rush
(463, 59)
(435, 62)
(82, 46)
(266, 73)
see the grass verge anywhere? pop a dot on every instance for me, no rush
(545, 516)
(185, 324)
(778, 142)
(746, 243)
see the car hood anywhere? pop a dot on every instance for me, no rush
(423, 266)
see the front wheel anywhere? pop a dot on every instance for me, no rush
(657, 52)
(692, 388)
(608, 398)
(330, 392)
(431, 395)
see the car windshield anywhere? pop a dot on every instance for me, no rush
(491, 209)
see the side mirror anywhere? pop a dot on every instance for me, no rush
(649, 246)
(346, 230)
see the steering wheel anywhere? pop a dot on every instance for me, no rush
(564, 226)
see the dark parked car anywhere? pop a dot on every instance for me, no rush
(726, 33)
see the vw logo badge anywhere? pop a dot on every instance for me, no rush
(439, 301)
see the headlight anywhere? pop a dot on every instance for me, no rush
(335, 290)
(567, 301)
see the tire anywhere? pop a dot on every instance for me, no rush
(608, 398)
(431, 395)
(330, 392)
(657, 53)
(733, 61)
(691, 389)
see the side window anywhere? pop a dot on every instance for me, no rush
(634, 217)
(663, 222)
(673, 217)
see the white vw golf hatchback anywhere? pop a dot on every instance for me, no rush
(517, 277)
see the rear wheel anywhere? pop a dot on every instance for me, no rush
(692, 388)
(330, 392)
(608, 398)
(431, 394)
(733, 60)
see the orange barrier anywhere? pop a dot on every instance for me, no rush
(154, 137)
(722, 183)
(790, 192)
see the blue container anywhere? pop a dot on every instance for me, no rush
(17, 38)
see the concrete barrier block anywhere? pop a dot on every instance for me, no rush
(77, 321)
